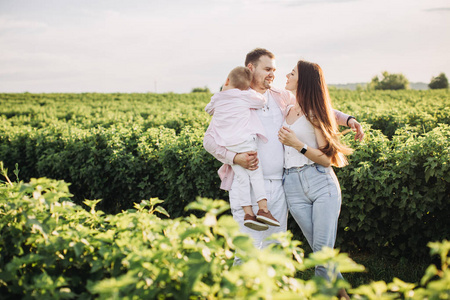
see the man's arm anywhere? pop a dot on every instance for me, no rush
(341, 118)
(248, 160)
(345, 120)
(219, 152)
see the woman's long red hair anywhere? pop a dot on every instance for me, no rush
(315, 102)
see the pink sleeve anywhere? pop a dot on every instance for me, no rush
(209, 108)
(254, 99)
(219, 152)
(341, 118)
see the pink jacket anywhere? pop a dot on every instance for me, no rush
(283, 98)
(234, 116)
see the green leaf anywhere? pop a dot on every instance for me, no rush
(161, 210)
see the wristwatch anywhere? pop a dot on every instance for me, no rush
(350, 117)
(304, 149)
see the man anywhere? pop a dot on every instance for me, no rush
(271, 154)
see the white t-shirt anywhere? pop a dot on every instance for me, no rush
(304, 131)
(271, 154)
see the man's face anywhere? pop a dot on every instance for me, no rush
(263, 73)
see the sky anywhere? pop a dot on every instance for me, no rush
(174, 46)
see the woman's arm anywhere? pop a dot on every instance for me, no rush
(288, 138)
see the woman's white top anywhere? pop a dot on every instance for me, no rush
(304, 131)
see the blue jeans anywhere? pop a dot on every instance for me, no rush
(313, 196)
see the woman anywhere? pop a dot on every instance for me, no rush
(311, 138)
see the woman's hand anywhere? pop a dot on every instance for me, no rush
(288, 138)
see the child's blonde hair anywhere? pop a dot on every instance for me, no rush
(240, 78)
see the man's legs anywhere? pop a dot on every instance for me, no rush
(276, 204)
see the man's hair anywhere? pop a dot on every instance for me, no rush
(240, 78)
(254, 55)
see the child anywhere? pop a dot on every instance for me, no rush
(236, 126)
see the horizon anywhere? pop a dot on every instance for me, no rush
(152, 46)
(352, 86)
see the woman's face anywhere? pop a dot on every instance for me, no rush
(292, 80)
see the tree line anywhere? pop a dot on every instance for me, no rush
(399, 81)
(387, 81)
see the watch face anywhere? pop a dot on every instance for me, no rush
(303, 151)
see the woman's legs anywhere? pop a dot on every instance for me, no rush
(299, 205)
(313, 197)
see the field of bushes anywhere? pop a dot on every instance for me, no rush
(122, 148)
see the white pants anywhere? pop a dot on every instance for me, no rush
(277, 205)
(245, 178)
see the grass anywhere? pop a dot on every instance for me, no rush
(380, 268)
(386, 269)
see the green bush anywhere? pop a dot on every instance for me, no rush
(201, 90)
(395, 193)
(389, 82)
(118, 164)
(439, 82)
(392, 110)
(53, 249)
(123, 147)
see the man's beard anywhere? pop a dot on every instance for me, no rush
(261, 84)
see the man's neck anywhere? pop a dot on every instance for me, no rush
(261, 91)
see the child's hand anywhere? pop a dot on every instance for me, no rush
(247, 160)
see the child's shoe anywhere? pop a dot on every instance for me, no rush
(266, 217)
(253, 223)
